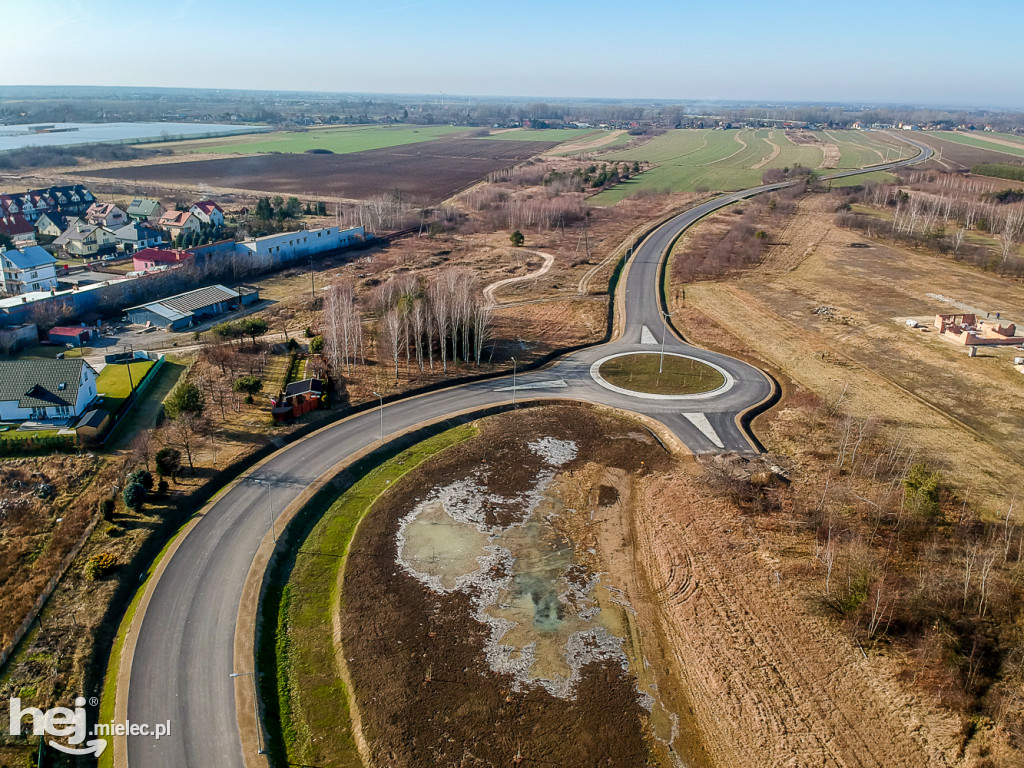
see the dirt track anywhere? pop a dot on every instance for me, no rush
(770, 683)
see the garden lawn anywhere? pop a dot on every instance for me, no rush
(114, 385)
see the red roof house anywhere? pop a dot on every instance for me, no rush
(18, 228)
(148, 258)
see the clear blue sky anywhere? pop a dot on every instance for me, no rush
(906, 51)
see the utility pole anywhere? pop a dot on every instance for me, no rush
(513, 381)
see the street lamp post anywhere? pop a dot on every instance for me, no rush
(664, 333)
(255, 710)
(378, 394)
(513, 381)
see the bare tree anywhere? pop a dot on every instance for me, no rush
(186, 433)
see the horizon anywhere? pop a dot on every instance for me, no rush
(879, 55)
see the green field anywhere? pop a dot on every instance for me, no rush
(980, 143)
(671, 375)
(871, 177)
(687, 159)
(341, 141)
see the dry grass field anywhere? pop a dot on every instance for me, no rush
(862, 352)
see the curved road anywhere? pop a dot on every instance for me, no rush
(185, 647)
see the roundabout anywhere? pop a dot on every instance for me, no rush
(661, 376)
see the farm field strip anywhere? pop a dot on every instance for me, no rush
(425, 175)
(853, 153)
(340, 141)
(807, 155)
(972, 141)
(544, 134)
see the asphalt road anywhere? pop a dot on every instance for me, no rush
(185, 653)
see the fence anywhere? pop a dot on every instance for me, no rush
(137, 393)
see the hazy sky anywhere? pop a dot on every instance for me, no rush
(908, 51)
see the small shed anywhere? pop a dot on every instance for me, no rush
(298, 398)
(70, 334)
(92, 424)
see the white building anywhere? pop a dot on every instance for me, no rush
(45, 390)
(291, 246)
(30, 269)
(208, 212)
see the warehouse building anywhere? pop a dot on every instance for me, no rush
(177, 313)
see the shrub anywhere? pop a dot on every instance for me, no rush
(134, 496)
(141, 476)
(161, 487)
(316, 345)
(517, 238)
(107, 509)
(186, 398)
(922, 489)
(100, 565)
(168, 462)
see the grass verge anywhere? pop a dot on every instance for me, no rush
(306, 701)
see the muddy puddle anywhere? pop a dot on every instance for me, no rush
(511, 567)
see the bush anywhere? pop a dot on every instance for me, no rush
(134, 496)
(250, 385)
(112, 530)
(922, 489)
(168, 462)
(141, 476)
(186, 398)
(107, 509)
(517, 238)
(100, 565)
(316, 345)
(162, 487)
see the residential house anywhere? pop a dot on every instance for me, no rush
(177, 222)
(106, 215)
(27, 269)
(53, 223)
(70, 200)
(135, 237)
(145, 209)
(86, 240)
(208, 212)
(298, 398)
(19, 229)
(45, 390)
(151, 258)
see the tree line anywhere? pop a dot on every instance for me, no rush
(432, 326)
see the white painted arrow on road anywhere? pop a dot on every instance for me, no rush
(554, 384)
(700, 421)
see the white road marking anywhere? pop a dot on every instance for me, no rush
(700, 421)
(646, 337)
(554, 384)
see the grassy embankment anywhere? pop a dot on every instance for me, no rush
(311, 711)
